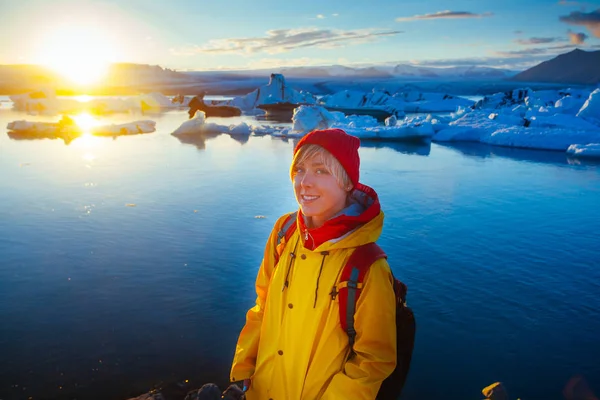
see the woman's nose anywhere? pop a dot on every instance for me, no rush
(306, 180)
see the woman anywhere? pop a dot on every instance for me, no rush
(292, 346)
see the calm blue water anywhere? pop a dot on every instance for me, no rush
(129, 263)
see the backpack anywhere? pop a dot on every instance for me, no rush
(350, 286)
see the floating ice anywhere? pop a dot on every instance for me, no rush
(277, 91)
(591, 109)
(308, 118)
(591, 150)
(46, 102)
(355, 99)
(67, 129)
(427, 102)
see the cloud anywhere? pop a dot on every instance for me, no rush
(284, 40)
(518, 53)
(320, 16)
(264, 63)
(590, 20)
(538, 40)
(335, 15)
(518, 32)
(548, 51)
(577, 38)
(444, 15)
(515, 60)
(514, 63)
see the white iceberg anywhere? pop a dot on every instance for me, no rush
(47, 103)
(561, 121)
(130, 128)
(510, 131)
(308, 118)
(193, 125)
(570, 104)
(431, 102)
(67, 127)
(276, 91)
(198, 126)
(591, 108)
(352, 99)
(242, 129)
(156, 101)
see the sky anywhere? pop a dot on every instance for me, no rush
(244, 34)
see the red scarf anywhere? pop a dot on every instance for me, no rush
(340, 225)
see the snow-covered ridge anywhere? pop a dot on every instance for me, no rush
(412, 71)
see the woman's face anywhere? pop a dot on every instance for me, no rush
(317, 191)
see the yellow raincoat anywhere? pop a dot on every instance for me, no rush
(293, 346)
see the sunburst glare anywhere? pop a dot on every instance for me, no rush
(87, 141)
(86, 121)
(80, 53)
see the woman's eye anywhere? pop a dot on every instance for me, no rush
(322, 171)
(298, 170)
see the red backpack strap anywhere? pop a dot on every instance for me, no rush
(285, 232)
(351, 283)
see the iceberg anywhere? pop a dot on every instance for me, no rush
(591, 108)
(504, 99)
(430, 102)
(360, 102)
(46, 102)
(156, 101)
(276, 91)
(192, 126)
(197, 126)
(570, 104)
(308, 118)
(67, 129)
(591, 150)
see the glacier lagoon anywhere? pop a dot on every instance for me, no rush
(129, 263)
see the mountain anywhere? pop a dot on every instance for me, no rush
(575, 67)
(400, 71)
(121, 78)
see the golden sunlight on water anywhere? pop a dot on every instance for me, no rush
(88, 157)
(86, 121)
(87, 141)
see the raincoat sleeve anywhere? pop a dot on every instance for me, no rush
(244, 360)
(375, 346)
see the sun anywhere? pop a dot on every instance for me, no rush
(81, 54)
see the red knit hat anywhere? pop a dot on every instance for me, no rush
(342, 146)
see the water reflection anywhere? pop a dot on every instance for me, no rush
(483, 151)
(197, 140)
(66, 136)
(242, 139)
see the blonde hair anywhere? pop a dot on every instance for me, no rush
(334, 167)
